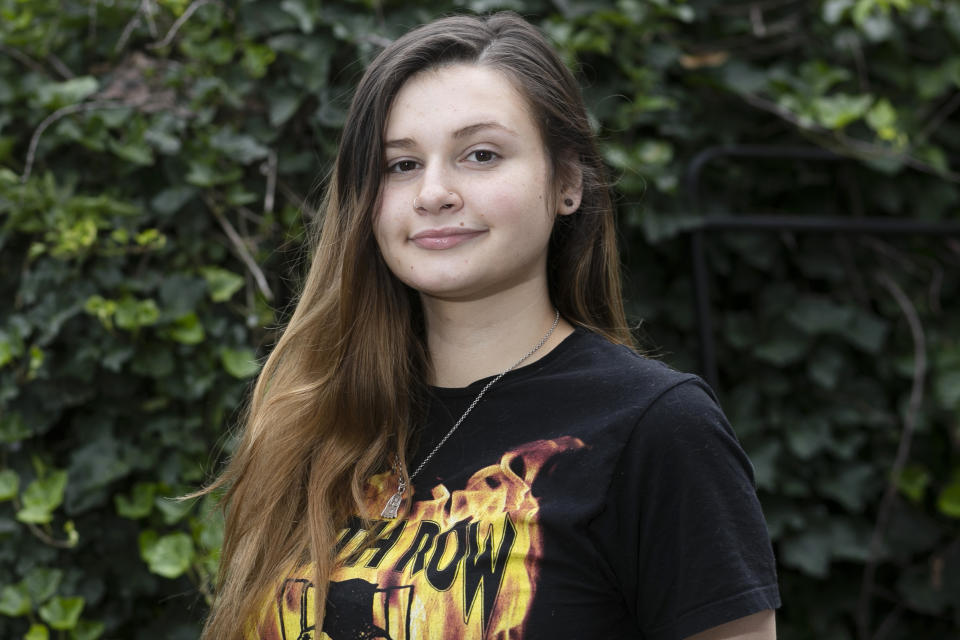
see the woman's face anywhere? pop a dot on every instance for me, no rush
(468, 202)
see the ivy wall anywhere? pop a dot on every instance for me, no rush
(158, 160)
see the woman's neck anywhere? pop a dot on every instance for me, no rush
(471, 340)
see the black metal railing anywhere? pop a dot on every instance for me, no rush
(706, 224)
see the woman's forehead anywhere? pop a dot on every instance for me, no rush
(458, 100)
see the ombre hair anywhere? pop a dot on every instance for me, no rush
(339, 393)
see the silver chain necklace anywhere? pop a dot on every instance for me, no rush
(393, 504)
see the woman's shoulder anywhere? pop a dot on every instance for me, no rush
(596, 365)
(615, 355)
(668, 406)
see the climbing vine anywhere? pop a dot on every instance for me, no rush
(159, 161)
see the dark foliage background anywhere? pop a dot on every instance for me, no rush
(156, 158)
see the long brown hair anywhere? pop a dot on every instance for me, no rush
(337, 396)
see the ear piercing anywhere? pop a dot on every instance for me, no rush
(568, 202)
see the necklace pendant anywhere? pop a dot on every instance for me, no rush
(393, 505)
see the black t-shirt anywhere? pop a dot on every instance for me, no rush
(593, 494)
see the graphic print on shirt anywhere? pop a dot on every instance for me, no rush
(461, 564)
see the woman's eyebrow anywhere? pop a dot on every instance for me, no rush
(463, 132)
(471, 129)
(401, 143)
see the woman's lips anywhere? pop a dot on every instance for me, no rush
(445, 238)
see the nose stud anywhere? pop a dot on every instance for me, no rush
(417, 206)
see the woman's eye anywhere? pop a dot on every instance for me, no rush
(482, 155)
(402, 166)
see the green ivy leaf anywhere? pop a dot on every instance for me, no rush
(913, 481)
(136, 152)
(221, 283)
(204, 173)
(934, 156)
(102, 308)
(256, 59)
(35, 515)
(153, 361)
(946, 389)
(87, 630)
(866, 332)
(239, 197)
(133, 314)
(207, 528)
(187, 329)
(849, 539)
(783, 348)
(11, 347)
(282, 105)
(766, 464)
(13, 429)
(150, 238)
(837, 111)
(819, 315)
(240, 363)
(168, 556)
(882, 118)
(808, 551)
(948, 502)
(852, 487)
(303, 15)
(654, 153)
(9, 484)
(15, 601)
(173, 510)
(809, 436)
(41, 497)
(833, 10)
(62, 613)
(139, 504)
(73, 536)
(876, 26)
(162, 141)
(41, 583)
(237, 146)
(824, 367)
(172, 199)
(217, 51)
(58, 94)
(37, 632)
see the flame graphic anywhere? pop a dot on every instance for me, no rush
(459, 565)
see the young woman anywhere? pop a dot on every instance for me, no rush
(454, 438)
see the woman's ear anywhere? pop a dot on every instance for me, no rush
(570, 185)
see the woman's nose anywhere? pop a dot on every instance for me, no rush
(437, 196)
